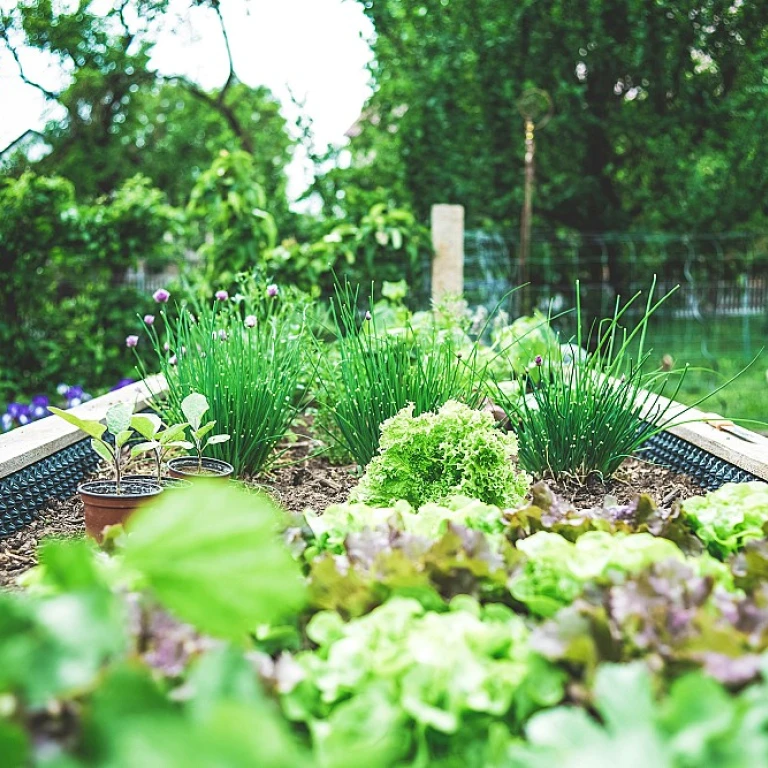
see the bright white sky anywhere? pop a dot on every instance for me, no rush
(317, 48)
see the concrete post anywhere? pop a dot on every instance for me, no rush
(448, 242)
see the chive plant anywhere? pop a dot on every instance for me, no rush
(246, 358)
(584, 416)
(367, 375)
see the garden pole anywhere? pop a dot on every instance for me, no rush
(448, 244)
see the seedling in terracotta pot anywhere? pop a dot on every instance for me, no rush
(118, 424)
(158, 440)
(194, 407)
(108, 502)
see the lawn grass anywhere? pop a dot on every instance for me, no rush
(723, 346)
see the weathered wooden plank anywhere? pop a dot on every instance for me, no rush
(26, 445)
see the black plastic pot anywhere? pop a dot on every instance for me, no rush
(104, 506)
(187, 468)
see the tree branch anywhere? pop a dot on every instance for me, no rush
(231, 77)
(216, 102)
(48, 94)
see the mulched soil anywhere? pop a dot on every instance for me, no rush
(303, 481)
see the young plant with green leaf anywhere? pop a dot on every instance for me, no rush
(118, 424)
(158, 441)
(194, 407)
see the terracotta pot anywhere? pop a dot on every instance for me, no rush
(166, 483)
(104, 506)
(185, 467)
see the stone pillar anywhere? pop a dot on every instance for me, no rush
(448, 242)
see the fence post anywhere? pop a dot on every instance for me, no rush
(448, 243)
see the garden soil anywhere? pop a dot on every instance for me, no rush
(311, 482)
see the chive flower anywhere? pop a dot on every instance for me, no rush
(368, 315)
(149, 319)
(539, 361)
(161, 296)
(221, 295)
(131, 341)
(250, 321)
(272, 291)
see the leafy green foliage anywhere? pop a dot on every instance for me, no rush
(435, 696)
(556, 570)
(697, 723)
(167, 128)
(194, 407)
(384, 243)
(158, 439)
(250, 375)
(194, 552)
(428, 521)
(433, 456)
(229, 205)
(583, 417)
(651, 111)
(666, 613)
(63, 311)
(370, 375)
(119, 417)
(729, 517)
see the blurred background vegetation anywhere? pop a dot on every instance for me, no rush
(660, 108)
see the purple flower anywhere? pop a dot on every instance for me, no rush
(73, 402)
(221, 295)
(131, 341)
(272, 291)
(250, 321)
(41, 401)
(149, 319)
(6, 421)
(62, 389)
(122, 383)
(539, 360)
(161, 296)
(172, 360)
(368, 315)
(16, 410)
(74, 392)
(39, 411)
(166, 346)
(24, 419)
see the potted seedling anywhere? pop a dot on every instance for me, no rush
(194, 407)
(158, 442)
(110, 502)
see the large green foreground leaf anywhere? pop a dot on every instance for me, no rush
(213, 557)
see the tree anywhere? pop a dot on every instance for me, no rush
(122, 117)
(660, 109)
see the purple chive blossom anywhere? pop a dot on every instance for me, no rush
(222, 335)
(149, 319)
(166, 346)
(161, 296)
(539, 360)
(172, 360)
(272, 291)
(221, 295)
(131, 341)
(368, 315)
(250, 321)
